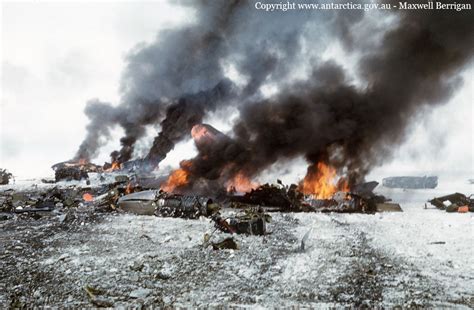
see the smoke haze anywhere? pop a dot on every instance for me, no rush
(319, 111)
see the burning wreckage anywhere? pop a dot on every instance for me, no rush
(78, 170)
(139, 196)
(265, 198)
(181, 194)
(175, 195)
(315, 111)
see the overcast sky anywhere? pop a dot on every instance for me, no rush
(56, 56)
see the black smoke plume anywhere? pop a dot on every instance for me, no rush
(327, 118)
(323, 115)
(193, 60)
(182, 116)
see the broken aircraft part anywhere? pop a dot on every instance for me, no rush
(185, 206)
(141, 203)
(69, 174)
(251, 222)
(388, 207)
(161, 204)
(452, 202)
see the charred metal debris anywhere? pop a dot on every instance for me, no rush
(101, 198)
(68, 171)
(456, 202)
(278, 197)
(247, 214)
(139, 195)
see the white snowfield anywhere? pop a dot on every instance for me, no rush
(419, 257)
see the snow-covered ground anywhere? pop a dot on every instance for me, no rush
(421, 257)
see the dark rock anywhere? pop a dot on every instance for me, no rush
(5, 177)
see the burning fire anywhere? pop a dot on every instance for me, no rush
(241, 184)
(81, 162)
(322, 182)
(177, 178)
(87, 197)
(130, 188)
(115, 166)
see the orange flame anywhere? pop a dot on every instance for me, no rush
(115, 166)
(177, 178)
(87, 197)
(322, 182)
(241, 184)
(81, 162)
(129, 189)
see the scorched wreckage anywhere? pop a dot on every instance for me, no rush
(221, 67)
(183, 194)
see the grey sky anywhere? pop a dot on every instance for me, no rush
(56, 56)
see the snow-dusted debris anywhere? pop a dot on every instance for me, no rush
(419, 257)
